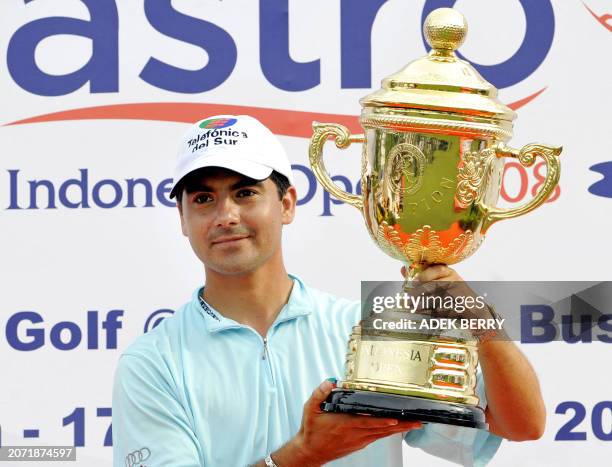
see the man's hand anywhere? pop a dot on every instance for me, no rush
(439, 280)
(324, 437)
(438, 272)
(515, 409)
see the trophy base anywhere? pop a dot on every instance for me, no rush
(404, 408)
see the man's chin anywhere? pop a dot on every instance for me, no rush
(237, 268)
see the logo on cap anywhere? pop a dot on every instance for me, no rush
(218, 123)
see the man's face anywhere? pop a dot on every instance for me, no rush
(233, 223)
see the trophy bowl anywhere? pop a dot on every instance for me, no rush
(434, 142)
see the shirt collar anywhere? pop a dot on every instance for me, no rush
(299, 304)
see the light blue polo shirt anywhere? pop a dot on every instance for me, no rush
(203, 390)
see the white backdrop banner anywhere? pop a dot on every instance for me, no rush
(95, 95)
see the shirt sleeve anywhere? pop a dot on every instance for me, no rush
(150, 426)
(465, 446)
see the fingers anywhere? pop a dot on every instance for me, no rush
(313, 405)
(436, 272)
(400, 427)
(432, 273)
(408, 425)
(373, 424)
(371, 437)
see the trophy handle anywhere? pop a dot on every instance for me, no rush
(343, 138)
(527, 156)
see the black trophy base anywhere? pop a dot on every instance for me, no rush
(403, 408)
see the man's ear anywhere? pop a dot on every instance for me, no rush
(179, 205)
(288, 205)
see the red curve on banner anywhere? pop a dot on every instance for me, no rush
(281, 122)
(526, 100)
(603, 19)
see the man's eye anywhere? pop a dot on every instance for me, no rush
(245, 192)
(202, 198)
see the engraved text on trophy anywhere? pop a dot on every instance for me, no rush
(394, 361)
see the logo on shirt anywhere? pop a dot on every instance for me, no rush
(218, 123)
(207, 308)
(136, 457)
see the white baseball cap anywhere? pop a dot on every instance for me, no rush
(235, 142)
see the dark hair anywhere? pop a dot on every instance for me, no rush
(191, 181)
(281, 182)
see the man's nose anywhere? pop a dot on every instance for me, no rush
(227, 213)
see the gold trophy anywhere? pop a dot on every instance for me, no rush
(432, 164)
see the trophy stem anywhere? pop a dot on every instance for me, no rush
(412, 270)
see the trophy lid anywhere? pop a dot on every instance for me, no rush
(441, 81)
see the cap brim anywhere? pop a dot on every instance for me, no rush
(242, 166)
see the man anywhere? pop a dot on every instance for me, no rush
(237, 375)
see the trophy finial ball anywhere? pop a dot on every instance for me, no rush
(445, 29)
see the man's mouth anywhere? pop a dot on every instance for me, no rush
(229, 239)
